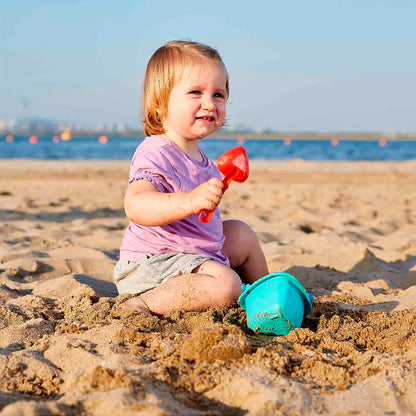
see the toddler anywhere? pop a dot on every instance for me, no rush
(168, 258)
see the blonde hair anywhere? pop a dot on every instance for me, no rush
(163, 71)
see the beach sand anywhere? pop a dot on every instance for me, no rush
(346, 231)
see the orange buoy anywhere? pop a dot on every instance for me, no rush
(66, 135)
(103, 139)
(33, 139)
(240, 141)
(55, 139)
(334, 142)
(382, 142)
(9, 138)
(287, 142)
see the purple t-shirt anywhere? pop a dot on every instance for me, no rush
(171, 170)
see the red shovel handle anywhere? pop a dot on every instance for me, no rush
(205, 215)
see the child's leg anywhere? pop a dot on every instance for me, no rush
(243, 249)
(213, 285)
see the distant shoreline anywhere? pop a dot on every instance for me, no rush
(317, 136)
(236, 135)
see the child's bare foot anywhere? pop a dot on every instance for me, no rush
(136, 304)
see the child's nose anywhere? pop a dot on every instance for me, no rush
(208, 103)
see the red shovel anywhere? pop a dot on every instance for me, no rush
(234, 165)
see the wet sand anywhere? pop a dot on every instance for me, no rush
(347, 231)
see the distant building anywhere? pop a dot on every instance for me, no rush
(44, 127)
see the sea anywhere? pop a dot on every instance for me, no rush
(121, 148)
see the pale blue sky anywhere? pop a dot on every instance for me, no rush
(294, 65)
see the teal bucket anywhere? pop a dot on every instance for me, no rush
(275, 304)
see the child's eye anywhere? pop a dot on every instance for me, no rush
(195, 92)
(219, 95)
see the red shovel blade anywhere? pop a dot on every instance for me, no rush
(233, 164)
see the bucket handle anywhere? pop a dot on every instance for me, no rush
(245, 286)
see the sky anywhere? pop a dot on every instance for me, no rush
(294, 65)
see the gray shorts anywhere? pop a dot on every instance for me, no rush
(154, 269)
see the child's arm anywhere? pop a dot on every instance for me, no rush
(145, 205)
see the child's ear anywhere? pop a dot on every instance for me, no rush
(159, 111)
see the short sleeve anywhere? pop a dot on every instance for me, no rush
(158, 162)
(154, 178)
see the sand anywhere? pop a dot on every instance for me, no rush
(347, 231)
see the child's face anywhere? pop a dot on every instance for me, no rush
(197, 103)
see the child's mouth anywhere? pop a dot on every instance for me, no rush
(207, 118)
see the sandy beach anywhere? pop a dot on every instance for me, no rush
(346, 231)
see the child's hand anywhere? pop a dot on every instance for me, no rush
(206, 196)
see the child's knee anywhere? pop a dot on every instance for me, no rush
(229, 287)
(236, 229)
(231, 290)
(226, 284)
(240, 242)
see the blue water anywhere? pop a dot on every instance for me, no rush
(123, 148)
